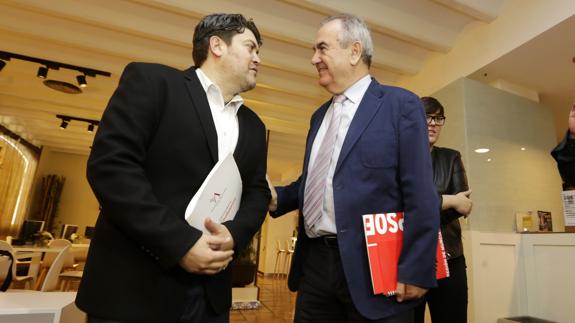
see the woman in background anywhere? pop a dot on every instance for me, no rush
(447, 302)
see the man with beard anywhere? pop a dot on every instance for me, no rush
(161, 134)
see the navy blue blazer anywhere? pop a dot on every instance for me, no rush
(384, 166)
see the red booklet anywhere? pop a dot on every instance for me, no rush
(384, 238)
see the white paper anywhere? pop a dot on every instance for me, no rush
(569, 207)
(219, 196)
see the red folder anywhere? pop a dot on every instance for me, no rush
(384, 238)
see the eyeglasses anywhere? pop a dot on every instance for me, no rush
(439, 120)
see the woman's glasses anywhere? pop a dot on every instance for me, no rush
(439, 120)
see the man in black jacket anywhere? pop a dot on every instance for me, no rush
(162, 132)
(564, 154)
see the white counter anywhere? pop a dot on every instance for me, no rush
(39, 307)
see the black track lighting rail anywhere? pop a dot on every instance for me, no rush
(67, 119)
(6, 56)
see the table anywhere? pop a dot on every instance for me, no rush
(38, 307)
(79, 247)
(18, 249)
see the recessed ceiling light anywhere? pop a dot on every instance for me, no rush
(523, 148)
(488, 160)
(482, 150)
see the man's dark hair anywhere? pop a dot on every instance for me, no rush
(432, 106)
(222, 25)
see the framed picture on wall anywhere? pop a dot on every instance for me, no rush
(526, 222)
(545, 221)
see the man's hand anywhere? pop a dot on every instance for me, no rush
(274, 200)
(406, 292)
(221, 231)
(202, 259)
(463, 203)
(572, 121)
(460, 202)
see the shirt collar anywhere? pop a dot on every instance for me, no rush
(209, 86)
(355, 92)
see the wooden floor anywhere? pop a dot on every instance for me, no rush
(277, 303)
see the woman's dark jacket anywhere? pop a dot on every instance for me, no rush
(449, 178)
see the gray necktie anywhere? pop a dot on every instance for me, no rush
(317, 174)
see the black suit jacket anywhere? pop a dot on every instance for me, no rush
(449, 178)
(155, 145)
(564, 154)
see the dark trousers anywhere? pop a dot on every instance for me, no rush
(323, 295)
(197, 310)
(448, 302)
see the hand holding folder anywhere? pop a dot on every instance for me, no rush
(384, 239)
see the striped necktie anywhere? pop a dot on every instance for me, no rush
(317, 174)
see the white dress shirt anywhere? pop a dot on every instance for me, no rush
(224, 115)
(354, 95)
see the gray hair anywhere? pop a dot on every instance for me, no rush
(354, 29)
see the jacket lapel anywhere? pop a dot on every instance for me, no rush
(200, 103)
(370, 104)
(242, 134)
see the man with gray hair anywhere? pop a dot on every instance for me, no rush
(367, 152)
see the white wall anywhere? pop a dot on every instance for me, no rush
(514, 180)
(78, 205)
(522, 274)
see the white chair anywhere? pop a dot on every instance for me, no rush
(67, 278)
(33, 264)
(49, 257)
(290, 247)
(280, 259)
(60, 243)
(51, 282)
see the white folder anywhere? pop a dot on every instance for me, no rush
(219, 196)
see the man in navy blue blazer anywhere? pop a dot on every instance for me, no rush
(378, 161)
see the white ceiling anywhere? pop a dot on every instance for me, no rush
(108, 34)
(546, 65)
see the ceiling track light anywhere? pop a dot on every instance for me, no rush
(47, 65)
(64, 124)
(42, 72)
(67, 119)
(82, 80)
